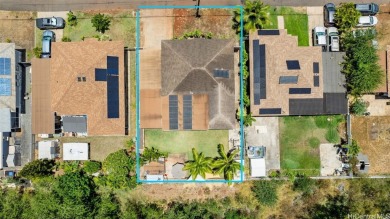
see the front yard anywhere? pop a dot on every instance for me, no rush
(300, 138)
(183, 141)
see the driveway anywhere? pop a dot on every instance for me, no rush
(315, 18)
(59, 32)
(265, 132)
(329, 159)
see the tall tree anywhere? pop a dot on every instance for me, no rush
(37, 168)
(101, 22)
(200, 165)
(346, 17)
(225, 163)
(255, 17)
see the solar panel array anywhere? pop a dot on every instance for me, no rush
(5, 86)
(316, 68)
(268, 32)
(299, 91)
(293, 65)
(221, 73)
(316, 81)
(259, 72)
(173, 112)
(187, 112)
(111, 75)
(5, 66)
(270, 111)
(288, 79)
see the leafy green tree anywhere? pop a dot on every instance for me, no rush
(266, 191)
(346, 17)
(335, 207)
(353, 149)
(225, 163)
(199, 166)
(92, 166)
(38, 168)
(44, 204)
(361, 67)
(101, 22)
(72, 19)
(359, 107)
(256, 16)
(13, 204)
(119, 169)
(152, 154)
(108, 207)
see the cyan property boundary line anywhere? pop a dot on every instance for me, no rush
(137, 67)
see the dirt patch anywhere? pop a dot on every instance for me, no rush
(17, 27)
(373, 136)
(383, 26)
(217, 21)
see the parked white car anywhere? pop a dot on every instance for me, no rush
(367, 21)
(319, 36)
(333, 39)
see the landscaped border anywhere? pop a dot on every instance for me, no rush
(138, 131)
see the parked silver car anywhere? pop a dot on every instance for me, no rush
(367, 21)
(47, 38)
(333, 39)
(50, 23)
(319, 36)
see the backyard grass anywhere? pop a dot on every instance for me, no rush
(184, 141)
(299, 140)
(295, 22)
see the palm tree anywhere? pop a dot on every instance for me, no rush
(226, 164)
(200, 165)
(255, 16)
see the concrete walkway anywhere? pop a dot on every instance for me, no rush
(280, 22)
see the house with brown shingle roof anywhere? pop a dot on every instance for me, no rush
(286, 79)
(197, 89)
(82, 82)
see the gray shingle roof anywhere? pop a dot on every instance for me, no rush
(74, 124)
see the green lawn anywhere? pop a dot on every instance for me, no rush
(183, 141)
(296, 23)
(297, 137)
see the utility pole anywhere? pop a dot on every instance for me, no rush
(197, 9)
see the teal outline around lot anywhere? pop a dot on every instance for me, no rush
(137, 68)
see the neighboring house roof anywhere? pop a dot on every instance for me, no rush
(82, 81)
(74, 124)
(199, 67)
(287, 79)
(5, 120)
(75, 151)
(7, 76)
(47, 149)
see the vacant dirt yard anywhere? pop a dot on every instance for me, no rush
(217, 21)
(373, 136)
(17, 27)
(383, 26)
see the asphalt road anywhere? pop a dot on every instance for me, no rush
(66, 5)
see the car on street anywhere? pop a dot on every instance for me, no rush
(50, 23)
(367, 21)
(319, 36)
(333, 39)
(329, 11)
(47, 38)
(367, 9)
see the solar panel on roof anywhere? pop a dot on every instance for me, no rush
(316, 81)
(187, 112)
(263, 79)
(5, 66)
(5, 86)
(293, 65)
(221, 73)
(316, 68)
(100, 74)
(299, 91)
(268, 32)
(270, 111)
(173, 112)
(112, 64)
(256, 72)
(112, 97)
(288, 79)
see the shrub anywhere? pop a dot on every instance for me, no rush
(101, 22)
(72, 19)
(332, 135)
(314, 142)
(304, 184)
(8, 40)
(38, 168)
(92, 166)
(37, 51)
(66, 39)
(358, 107)
(321, 121)
(266, 191)
(196, 34)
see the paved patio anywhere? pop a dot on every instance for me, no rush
(265, 132)
(329, 159)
